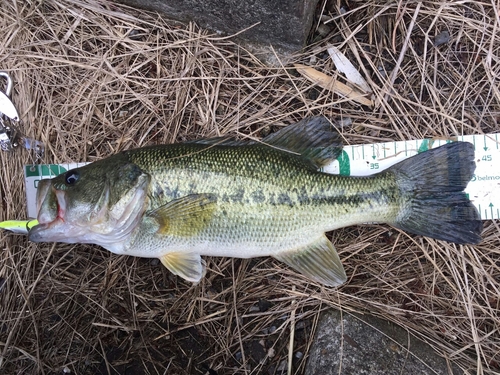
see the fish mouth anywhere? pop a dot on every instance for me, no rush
(46, 217)
(51, 206)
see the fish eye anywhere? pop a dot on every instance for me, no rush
(71, 177)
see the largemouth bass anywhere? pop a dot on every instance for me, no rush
(221, 197)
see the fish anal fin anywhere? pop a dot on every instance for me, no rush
(319, 261)
(189, 266)
(184, 216)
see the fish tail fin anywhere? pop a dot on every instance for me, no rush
(434, 203)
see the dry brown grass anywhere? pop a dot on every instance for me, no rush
(93, 78)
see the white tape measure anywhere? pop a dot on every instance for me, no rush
(363, 160)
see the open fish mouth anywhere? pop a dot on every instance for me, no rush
(51, 205)
(47, 216)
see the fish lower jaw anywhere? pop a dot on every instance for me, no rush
(45, 230)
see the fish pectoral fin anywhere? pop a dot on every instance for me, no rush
(189, 266)
(318, 261)
(184, 216)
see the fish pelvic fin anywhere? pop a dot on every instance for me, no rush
(184, 216)
(189, 266)
(433, 201)
(318, 261)
(313, 137)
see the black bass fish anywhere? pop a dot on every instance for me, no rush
(221, 197)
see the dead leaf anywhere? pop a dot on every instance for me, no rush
(330, 83)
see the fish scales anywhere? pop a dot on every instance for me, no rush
(267, 199)
(244, 199)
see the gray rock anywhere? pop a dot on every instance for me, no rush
(347, 345)
(442, 38)
(285, 24)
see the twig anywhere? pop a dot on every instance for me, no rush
(292, 335)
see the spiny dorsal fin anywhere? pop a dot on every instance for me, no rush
(319, 261)
(221, 141)
(184, 216)
(314, 138)
(189, 266)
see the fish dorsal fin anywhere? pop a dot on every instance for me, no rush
(314, 138)
(184, 216)
(318, 261)
(221, 141)
(189, 266)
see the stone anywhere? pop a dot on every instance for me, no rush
(284, 24)
(363, 344)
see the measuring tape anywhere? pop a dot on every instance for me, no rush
(363, 160)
